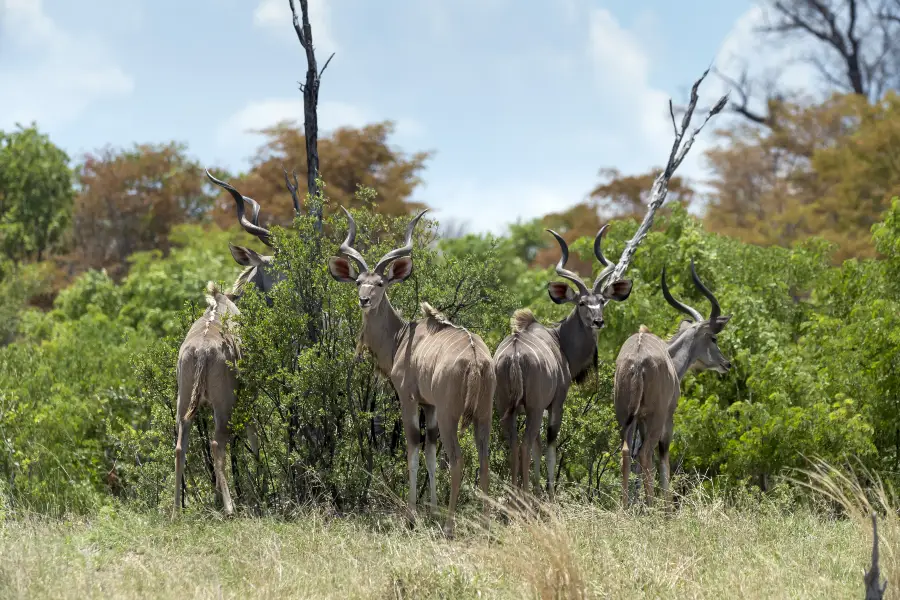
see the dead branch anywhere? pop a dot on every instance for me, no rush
(680, 147)
(874, 588)
(310, 91)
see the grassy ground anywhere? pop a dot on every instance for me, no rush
(704, 551)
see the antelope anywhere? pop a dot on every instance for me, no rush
(259, 269)
(535, 365)
(647, 384)
(206, 374)
(430, 362)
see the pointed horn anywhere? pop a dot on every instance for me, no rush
(292, 188)
(693, 313)
(239, 199)
(347, 247)
(598, 252)
(404, 250)
(563, 259)
(254, 207)
(716, 309)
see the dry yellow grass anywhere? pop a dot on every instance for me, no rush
(572, 551)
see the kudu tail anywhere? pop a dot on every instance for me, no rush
(515, 382)
(473, 393)
(629, 394)
(199, 387)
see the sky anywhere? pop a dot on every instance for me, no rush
(522, 101)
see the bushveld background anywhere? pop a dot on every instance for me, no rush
(776, 465)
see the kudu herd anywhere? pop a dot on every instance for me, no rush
(449, 372)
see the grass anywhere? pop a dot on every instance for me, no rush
(705, 550)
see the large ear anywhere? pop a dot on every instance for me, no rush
(719, 322)
(399, 270)
(561, 292)
(245, 256)
(618, 291)
(340, 269)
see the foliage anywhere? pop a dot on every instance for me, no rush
(35, 194)
(821, 170)
(129, 201)
(350, 158)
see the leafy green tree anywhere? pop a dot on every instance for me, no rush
(35, 194)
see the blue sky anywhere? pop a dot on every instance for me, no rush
(522, 100)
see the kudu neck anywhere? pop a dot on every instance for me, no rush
(681, 351)
(577, 342)
(381, 327)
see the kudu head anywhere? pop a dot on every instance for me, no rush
(260, 269)
(705, 349)
(589, 302)
(394, 267)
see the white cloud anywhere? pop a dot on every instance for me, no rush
(237, 131)
(490, 206)
(48, 74)
(275, 15)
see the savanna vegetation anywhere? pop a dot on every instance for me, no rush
(104, 262)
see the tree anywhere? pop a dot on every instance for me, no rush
(35, 194)
(351, 158)
(827, 170)
(621, 196)
(855, 49)
(130, 199)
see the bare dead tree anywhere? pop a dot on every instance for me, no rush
(680, 148)
(874, 587)
(310, 91)
(855, 48)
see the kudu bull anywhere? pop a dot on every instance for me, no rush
(259, 269)
(203, 370)
(647, 384)
(535, 365)
(430, 362)
(205, 376)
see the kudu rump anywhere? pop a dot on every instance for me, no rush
(535, 365)
(430, 362)
(648, 384)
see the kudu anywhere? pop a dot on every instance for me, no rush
(259, 269)
(430, 362)
(535, 365)
(647, 384)
(206, 374)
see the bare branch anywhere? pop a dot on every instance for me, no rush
(310, 90)
(680, 147)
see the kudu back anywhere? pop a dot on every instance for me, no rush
(430, 361)
(647, 384)
(535, 364)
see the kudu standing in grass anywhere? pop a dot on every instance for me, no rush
(259, 269)
(648, 384)
(430, 362)
(535, 365)
(206, 374)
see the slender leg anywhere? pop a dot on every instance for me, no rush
(449, 428)
(483, 445)
(645, 457)
(553, 425)
(410, 414)
(181, 446)
(626, 469)
(217, 446)
(511, 433)
(664, 472)
(531, 450)
(432, 434)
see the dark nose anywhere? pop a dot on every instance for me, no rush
(728, 364)
(364, 301)
(598, 323)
